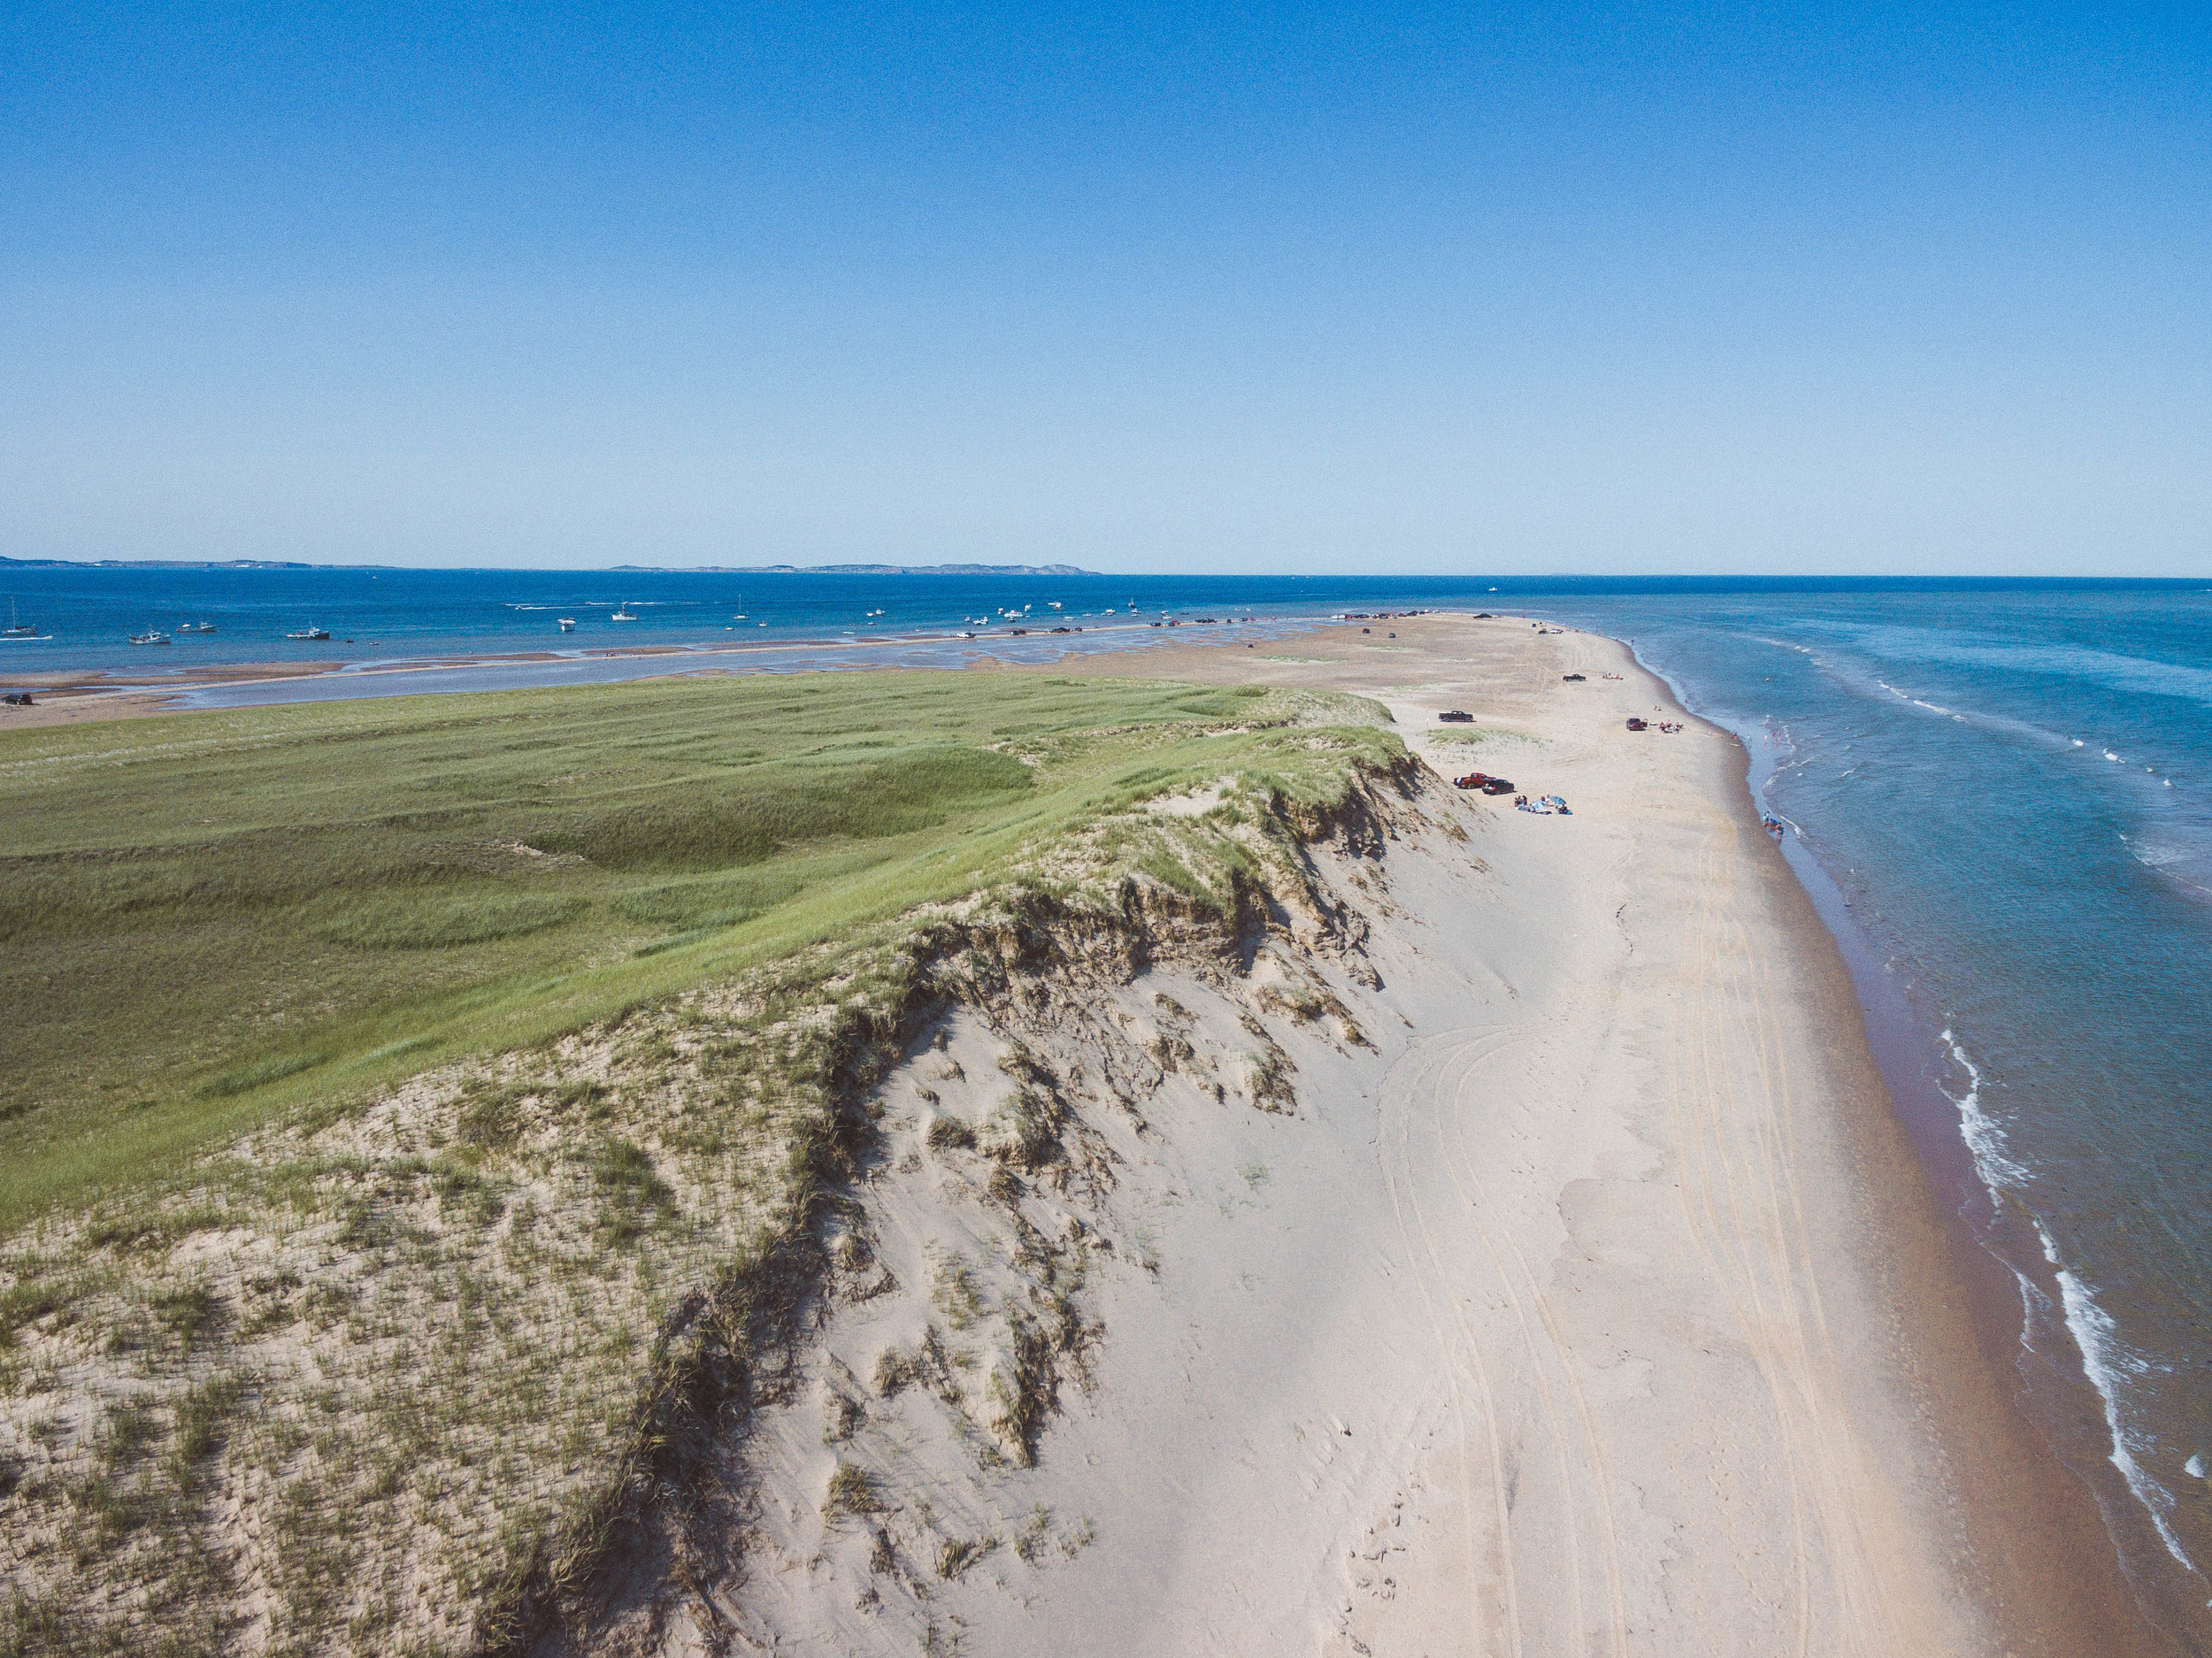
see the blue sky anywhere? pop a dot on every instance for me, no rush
(1342, 288)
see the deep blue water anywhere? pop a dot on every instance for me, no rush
(2009, 785)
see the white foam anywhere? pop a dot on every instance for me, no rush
(2105, 1359)
(1985, 1140)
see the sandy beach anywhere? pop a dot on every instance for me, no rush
(1586, 1298)
(1269, 1201)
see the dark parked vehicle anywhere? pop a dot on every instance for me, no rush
(1484, 782)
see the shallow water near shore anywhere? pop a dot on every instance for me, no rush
(2012, 794)
(2009, 785)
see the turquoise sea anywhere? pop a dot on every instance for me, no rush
(2000, 794)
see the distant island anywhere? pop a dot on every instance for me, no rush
(177, 563)
(665, 570)
(861, 570)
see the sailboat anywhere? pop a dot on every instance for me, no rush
(17, 628)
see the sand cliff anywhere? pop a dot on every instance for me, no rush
(1492, 1256)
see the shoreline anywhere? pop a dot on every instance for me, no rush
(2029, 1535)
(2033, 1520)
(74, 695)
(2050, 1396)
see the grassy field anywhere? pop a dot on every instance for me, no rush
(420, 1114)
(207, 916)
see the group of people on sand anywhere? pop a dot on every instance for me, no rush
(1543, 805)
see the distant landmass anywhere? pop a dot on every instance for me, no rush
(669, 570)
(863, 570)
(177, 563)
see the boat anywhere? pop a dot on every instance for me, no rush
(196, 627)
(311, 632)
(623, 615)
(567, 624)
(17, 628)
(151, 636)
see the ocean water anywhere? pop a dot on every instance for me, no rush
(378, 617)
(2011, 792)
(2000, 794)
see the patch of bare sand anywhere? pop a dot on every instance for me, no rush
(1571, 1291)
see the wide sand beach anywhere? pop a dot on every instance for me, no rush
(1597, 1306)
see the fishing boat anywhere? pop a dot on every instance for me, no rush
(623, 615)
(196, 627)
(567, 624)
(311, 632)
(151, 636)
(17, 628)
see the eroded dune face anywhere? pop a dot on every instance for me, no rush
(1470, 1277)
(1426, 1228)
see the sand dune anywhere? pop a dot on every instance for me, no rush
(1560, 1299)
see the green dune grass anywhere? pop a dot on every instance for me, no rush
(209, 916)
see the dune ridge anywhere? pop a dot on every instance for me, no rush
(1572, 1293)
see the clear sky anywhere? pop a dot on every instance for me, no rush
(1343, 288)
